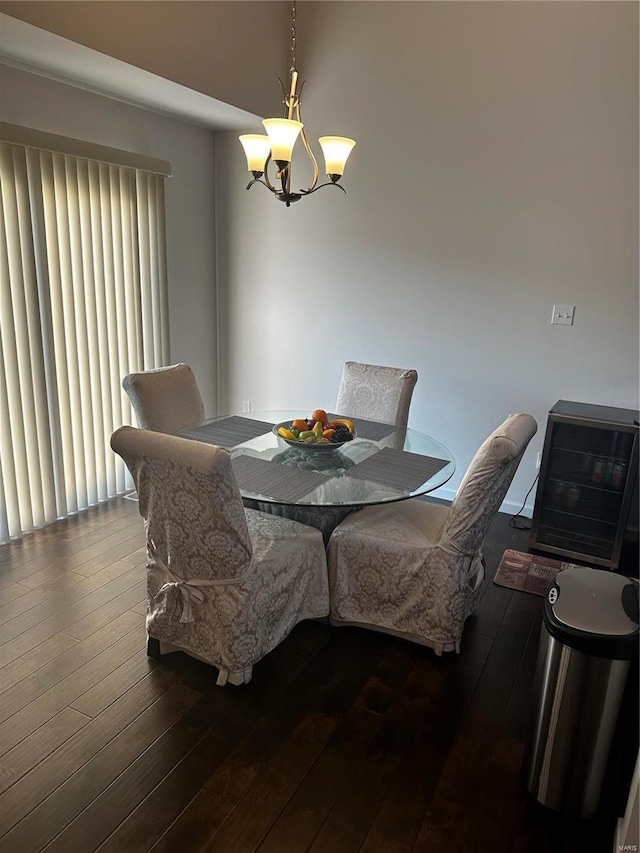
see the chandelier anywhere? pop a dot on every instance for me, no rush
(282, 133)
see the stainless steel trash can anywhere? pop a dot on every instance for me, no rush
(588, 638)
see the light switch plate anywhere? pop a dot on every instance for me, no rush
(563, 315)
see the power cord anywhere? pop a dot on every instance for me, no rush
(512, 520)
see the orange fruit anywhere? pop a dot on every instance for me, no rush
(319, 415)
(299, 423)
(328, 433)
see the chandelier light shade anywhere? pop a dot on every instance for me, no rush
(282, 134)
(336, 150)
(257, 147)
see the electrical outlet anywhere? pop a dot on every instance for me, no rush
(538, 460)
(246, 406)
(563, 315)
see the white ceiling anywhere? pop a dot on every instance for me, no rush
(34, 49)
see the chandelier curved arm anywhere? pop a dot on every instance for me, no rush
(256, 181)
(328, 184)
(303, 136)
(291, 100)
(267, 182)
(263, 177)
(284, 195)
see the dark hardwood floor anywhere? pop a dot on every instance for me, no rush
(345, 740)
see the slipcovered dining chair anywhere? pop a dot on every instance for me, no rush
(165, 399)
(375, 392)
(224, 584)
(414, 569)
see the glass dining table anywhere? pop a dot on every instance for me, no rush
(319, 484)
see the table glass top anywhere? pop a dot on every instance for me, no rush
(381, 464)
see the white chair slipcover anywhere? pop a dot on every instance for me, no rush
(224, 584)
(375, 392)
(413, 568)
(166, 399)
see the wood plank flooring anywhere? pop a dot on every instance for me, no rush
(345, 740)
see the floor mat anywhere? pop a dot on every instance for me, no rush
(527, 572)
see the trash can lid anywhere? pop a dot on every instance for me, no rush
(593, 610)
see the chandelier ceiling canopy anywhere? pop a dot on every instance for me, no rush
(281, 135)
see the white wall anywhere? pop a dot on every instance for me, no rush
(34, 101)
(496, 173)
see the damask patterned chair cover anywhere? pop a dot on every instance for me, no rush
(414, 569)
(224, 584)
(376, 393)
(166, 399)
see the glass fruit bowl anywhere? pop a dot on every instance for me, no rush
(316, 435)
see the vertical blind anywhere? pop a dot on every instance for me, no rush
(83, 302)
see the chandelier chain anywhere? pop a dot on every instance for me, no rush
(293, 36)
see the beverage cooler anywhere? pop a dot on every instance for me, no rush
(588, 477)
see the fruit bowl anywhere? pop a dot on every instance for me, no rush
(317, 432)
